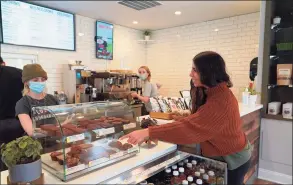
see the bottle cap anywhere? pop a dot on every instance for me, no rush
(168, 170)
(175, 173)
(211, 173)
(189, 165)
(194, 162)
(197, 174)
(184, 182)
(174, 167)
(199, 181)
(190, 179)
(181, 164)
(181, 170)
(201, 170)
(205, 177)
(186, 160)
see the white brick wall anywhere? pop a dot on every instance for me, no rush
(170, 57)
(126, 49)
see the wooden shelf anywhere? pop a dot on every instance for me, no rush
(276, 117)
(276, 86)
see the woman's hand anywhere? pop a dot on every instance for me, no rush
(137, 137)
(134, 95)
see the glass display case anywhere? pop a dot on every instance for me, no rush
(79, 138)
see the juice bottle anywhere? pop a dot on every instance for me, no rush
(199, 182)
(174, 167)
(181, 164)
(212, 178)
(168, 176)
(194, 165)
(196, 176)
(190, 180)
(182, 176)
(201, 171)
(175, 179)
(184, 182)
(188, 170)
(205, 178)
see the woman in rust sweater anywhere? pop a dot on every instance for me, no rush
(215, 121)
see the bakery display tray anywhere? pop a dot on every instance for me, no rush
(93, 158)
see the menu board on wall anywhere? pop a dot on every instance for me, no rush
(104, 40)
(31, 25)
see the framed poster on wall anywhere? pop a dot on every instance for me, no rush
(104, 40)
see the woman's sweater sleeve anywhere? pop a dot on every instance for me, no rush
(196, 128)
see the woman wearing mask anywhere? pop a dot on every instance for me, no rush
(34, 78)
(148, 89)
(215, 121)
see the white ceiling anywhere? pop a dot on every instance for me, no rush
(158, 17)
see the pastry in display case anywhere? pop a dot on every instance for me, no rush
(79, 138)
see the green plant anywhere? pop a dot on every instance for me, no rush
(147, 33)
(23, 150)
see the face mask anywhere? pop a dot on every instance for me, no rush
(143, 76)
(37, 87)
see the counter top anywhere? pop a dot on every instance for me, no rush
(95, 177)
(246, 109)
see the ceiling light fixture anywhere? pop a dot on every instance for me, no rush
(216, 29)
(81, 34)
(135, 22)
(177, 13)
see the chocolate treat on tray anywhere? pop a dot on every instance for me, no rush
(117, 122)
(115, 144)
(93, 153)
(86, 146)
(125, 121)
(78, 130)
(60, 159)
(54, 155)
(72, 161)
(93, 126)
(106, 125)
(69, 126)
(84, 123)
(126, 146)
(50, 129)
(66, 132)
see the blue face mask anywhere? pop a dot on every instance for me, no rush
(143, 76)
(37, 87)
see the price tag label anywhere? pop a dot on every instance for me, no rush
(98, 161)
(118, 154)
(133, 149)
(75, 169)
(104, 131)
(74, 138)
(129, 126)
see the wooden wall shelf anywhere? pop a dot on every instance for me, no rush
(276, 117)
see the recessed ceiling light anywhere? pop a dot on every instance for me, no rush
(216, 29)
(135, 22)
(80, 34)
(177, 13)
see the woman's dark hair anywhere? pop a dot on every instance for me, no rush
(212, 70)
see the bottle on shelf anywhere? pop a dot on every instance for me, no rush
(220, 180)
(175, 179)
(168, 176)
(182, 176)
(184, 182)
(185, 162)
(188, 170)
(194, 165)
(212, 178)
(190, 180)
(181, 164)
(205, 179)
(201, 171)
(199, 182)
(196, 176)
(174, 167)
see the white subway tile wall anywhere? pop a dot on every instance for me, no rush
(170, 56)
(126, 49)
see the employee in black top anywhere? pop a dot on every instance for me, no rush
(11, 88)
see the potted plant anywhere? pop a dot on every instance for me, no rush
(147, 35)
(252, 94)
(23, 159)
